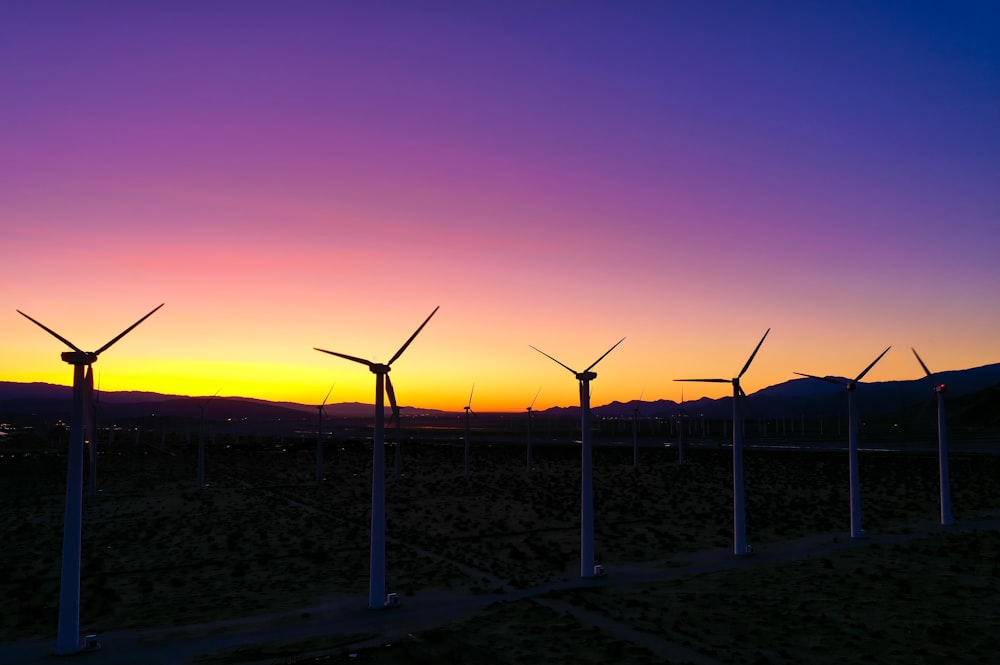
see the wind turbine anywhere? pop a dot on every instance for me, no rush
(530, 418)
(680, 431)
(68, 638)
(90, 427)
(398, 455)
(946, 516)
(740, 547)
(587, 568)
(201, 442)
(319, 436)
(852, 441)
(383, 386)
(635, 434)
(468, 410)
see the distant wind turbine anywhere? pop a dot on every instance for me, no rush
(587, 568)
(530, 463)
(68, 638)
(201, 442)
(635, 433)
(321, 409)
(740, 547)
(383, 387)
(680, 431)
(90, 428)
(946, 516)
(468, 410)
(852, 440)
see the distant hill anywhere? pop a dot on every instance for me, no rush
(796, 397)
(55, 401)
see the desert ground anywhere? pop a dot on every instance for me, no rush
(494, 556)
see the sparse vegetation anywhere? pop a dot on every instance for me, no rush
(265, 538)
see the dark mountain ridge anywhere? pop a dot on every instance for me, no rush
(792, 398)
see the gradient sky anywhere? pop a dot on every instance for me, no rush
(561, 174)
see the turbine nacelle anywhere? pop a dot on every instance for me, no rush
(586, 376)
(79, 357)
(378, 368)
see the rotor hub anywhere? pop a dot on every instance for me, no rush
(378, 368)
(586, 376)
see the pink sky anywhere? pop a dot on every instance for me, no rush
(557, 174)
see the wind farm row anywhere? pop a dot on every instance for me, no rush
(82, 429)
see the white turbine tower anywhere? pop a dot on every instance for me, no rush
(321, 408)
(946, 516)
(587, 568)
(68, 638)
(383, 386)
(468, 410)
(740, 547)
(852, 441)
(530, 463)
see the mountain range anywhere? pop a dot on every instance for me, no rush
(793, 398)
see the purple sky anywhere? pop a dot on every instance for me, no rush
(290, 175)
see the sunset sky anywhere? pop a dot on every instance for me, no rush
(287, 175)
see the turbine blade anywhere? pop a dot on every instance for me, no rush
(126, 331)
(407, 343)
(470, 395)
(739, 390)
(391, 393)
(926, 371)
(750, 359)
(873, 363)
(828, 379)
(344, 355)
(51, 332)
(327, 396)
(554, 360)
(707, 380)
(535, 398)
(593, 364)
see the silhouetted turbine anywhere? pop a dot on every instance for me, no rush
(946, 516)
(68, 638)
(740, 547)
(201, 442)
(530, 463)
(321, 409)
(852, 441)
(383, 386)
(586, 469)
(468, 410)
(90, 427)
(635, 434)
(680, 431)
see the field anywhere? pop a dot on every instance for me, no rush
(265, 538)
